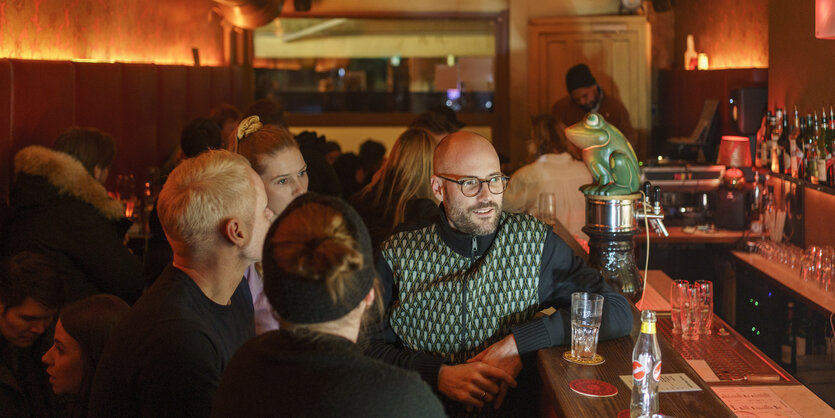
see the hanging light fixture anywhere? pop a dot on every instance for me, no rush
(825, 19)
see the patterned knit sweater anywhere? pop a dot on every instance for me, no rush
(455, 305)
(449, 295)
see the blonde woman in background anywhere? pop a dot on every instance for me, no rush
(557, 169)
(401, 190)
(275, 156)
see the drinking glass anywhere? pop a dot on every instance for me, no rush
(706, 309)
(586, 314)
(548, 208)
(824, 273)
(690, 314)
(807, 268)
(677, 296)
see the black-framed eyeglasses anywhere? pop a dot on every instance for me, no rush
(471, 186)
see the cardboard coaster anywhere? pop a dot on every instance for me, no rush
(596, 360)
(593, 388)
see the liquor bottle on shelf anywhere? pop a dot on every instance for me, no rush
(821, 144)
(812, 151)
(691, 57)
(830, 150)
(769, 212)
(646, 369)
(763, 138)
(795, 146)
(775, 154)
(755, 221)
(788, 348)
(786, 150)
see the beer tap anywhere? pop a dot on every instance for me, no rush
(655, 215)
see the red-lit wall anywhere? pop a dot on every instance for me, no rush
(146, 31)
(733, 33)
(801, 67)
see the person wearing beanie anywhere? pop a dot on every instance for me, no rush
(584, 96)
(319, 275)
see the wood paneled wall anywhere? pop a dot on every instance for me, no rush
(143, 106)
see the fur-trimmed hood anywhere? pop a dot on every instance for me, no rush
(69, 176)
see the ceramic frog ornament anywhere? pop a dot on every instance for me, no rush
(610, 157)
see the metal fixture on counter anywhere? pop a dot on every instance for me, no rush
(611, 224)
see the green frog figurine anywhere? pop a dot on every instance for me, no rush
(610, 157)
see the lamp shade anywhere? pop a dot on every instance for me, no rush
(825, 19)
(734, 151)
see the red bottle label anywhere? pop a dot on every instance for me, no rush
(638, 371)
(656, 372)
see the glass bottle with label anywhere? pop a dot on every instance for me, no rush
(776, 157)
(795, 146)
(646, 369)
(812, 151)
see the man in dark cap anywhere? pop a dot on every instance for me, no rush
(584, 96)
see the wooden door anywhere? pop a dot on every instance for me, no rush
(616, 48)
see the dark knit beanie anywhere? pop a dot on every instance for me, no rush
(579, 76)
(304, 300)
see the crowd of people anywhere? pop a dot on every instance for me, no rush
(284, 277)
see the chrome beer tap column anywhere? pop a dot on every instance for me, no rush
(611, 224)
(653, 212)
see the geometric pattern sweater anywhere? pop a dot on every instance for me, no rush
(454, 306)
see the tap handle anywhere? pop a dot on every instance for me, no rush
(646, 187)
(656, 195)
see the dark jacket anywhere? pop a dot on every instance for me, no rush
(24, 384)
(560, 274)
(306, 374)
(60, 210)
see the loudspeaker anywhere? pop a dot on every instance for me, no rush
(747, 107)
(301, 5)
(730, 209)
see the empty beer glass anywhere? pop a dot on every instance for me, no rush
(678, 293)
(548, 208)
(706, 305)
(586, 315)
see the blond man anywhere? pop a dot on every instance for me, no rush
(167, 356)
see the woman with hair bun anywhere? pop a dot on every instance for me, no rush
(319, 274)
(275, 156)
(81, 332)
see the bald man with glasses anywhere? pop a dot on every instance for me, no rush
(461, 291)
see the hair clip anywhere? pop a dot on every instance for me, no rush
(248, 126)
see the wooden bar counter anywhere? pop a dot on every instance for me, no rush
(556, 374)
(727, 364)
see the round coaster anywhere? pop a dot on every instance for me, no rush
(593, 388)
(597, 359)
(624, 414)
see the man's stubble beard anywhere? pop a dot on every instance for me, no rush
(463, 222)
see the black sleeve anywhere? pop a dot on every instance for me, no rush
(384, 344)
(108, 264)
(563, 273)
